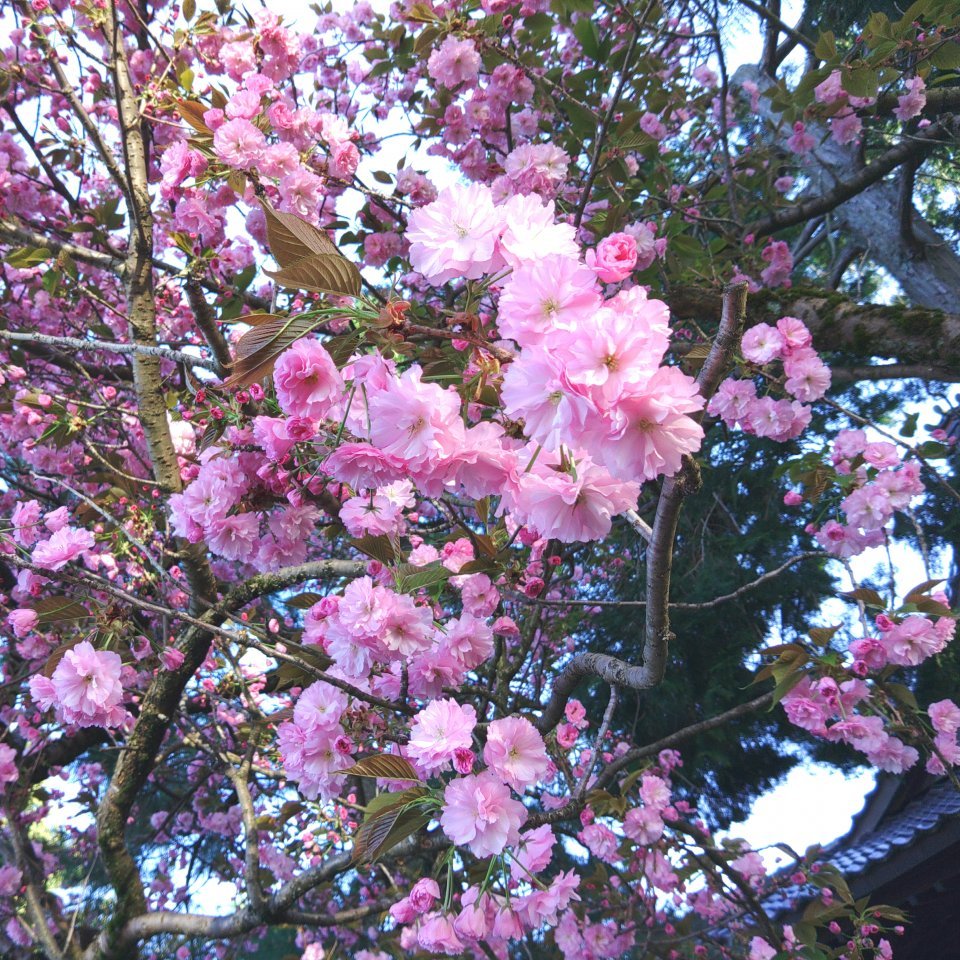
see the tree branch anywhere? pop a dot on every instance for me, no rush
(657, 635)
(921, 142)
(108, 346)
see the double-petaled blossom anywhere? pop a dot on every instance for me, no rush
(307, 381)
(480, 813)
(85, 689)
(515, 752)
(438, 731)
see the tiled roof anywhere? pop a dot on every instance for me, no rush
(921, 816)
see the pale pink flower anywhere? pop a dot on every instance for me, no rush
(68, 543)
(534, 852)
(235, 537)
(22, 621)
(945, 716)
(912, 641)
(415, 421)
(544, 295)
(762, 343)
(538, 390)
(601, 841)
(85, 687)
(571, 508)
(480, 813)
(8, 774)
(807, 377)
(239, 143)
(436, 934)
(456, 235)
(530, 232)
(613, 349)
(438, 730)
(794, 333)
(800, 141)
(424, 894)
(515, 752)
(911, 103)
(454, 62)
(652, 431)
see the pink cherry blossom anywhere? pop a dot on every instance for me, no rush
(479, 813)
(67, 544)
(438, 730)
(515, 752)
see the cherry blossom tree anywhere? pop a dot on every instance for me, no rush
(352, 371)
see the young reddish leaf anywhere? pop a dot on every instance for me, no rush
(383, 767)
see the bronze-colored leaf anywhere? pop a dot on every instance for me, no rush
(308, 258)
(58, 654)
(55, 609)
(193, 112)
(257, 319)
(291, 238)
(258, 349)
(391, 824)
(328, 273)
(383, 766)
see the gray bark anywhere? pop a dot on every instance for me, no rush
(870, 218)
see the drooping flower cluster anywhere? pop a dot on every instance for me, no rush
(805, 379)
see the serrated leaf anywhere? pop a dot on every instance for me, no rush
(860, 81)
(193, 112)
(866, 596)
(378, 547)
(25, 257)
(213, 431)
(903, 694)
(384, 766)
(921, 589)
(391, 821)
(58, 654)
(303, 601)
(932, 608)
(329, 273)
(410, 578)
(291, 238)
(258, 349)
(826, 47)
(481, 565)
(785, 685)
(56, 609)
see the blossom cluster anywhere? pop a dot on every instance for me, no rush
(805, 379)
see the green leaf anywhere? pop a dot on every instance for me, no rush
(785, 685)
(903, 694)
(25, 257)
(826, 47)
(946, 56)
(585, 30)
(860, 81)
(410, 578)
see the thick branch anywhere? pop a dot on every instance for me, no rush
(909, 335)
(907, 150)
(657, 633)
(108, 346)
